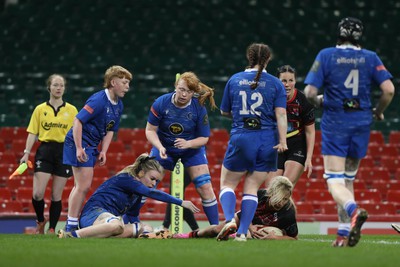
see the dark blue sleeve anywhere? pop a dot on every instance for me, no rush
(132, 214)
(142, 190)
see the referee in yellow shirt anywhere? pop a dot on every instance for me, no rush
(49, 124)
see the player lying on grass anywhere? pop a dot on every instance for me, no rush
(275, 208)
(122, 195)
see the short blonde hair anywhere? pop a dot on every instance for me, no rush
(115, 71)
(279, 188)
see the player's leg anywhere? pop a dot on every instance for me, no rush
(202, 181)
(56, 206)
(293, 171)
(40, 180)
(83, 177)
(250, 201)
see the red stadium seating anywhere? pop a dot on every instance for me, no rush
(5, 194)
(2, 146)
(139, 134)
(379, 151)
(328, 208)
(318, 137)
(116, 147)
(367, 162)
(221, 135)
(377, 137)
(126, 135)
(367, 196)
(379, 208)
(394, 138)
(391, 163)
(7, 206)
(20, 181)
(10, 133)
(317, 196)
(369, 175)
(101, 171)
(393, 196)
(304, 208)
(8, 157)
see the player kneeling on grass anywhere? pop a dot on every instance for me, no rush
(122, 195)
(275, 209)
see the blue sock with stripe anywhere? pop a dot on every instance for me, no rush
(227, 198)
(350, 206)
(210, 208)
(249, 206)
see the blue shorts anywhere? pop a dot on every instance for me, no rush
(69, 155)
(189, 158)
(351, 144)
(87, 219)
(252, 151)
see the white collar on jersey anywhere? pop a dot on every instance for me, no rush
(345, 46)
(254, 69)
(109, 98)
(172, 101)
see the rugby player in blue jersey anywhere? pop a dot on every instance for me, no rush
(178, 128)
(95, 124)
(121, 195)
(256, 101)
(346, 73)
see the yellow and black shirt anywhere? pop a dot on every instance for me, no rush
(52, 125)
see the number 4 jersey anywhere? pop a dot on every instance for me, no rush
(346, 73)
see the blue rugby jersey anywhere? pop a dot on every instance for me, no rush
(260, 103)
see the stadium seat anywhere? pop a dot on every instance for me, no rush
(394, 138)
(139, 134)
(2, 146)
(140, 146)
(379, 208)
(367, 196)
(377, 137)
(8, 157)
(101, 171)
(304, 208)
(221, 135)
(10, 206)
(328, 208)
(393, 196)
(391, 163)
(125, 135)
(317, 196)
(116, 147)
(379, 151)
(318, 137)
(20, 181)
(5, 194)
(296, 196)
(369, 175)
(384, 186)
(367, 162)
(359, 184)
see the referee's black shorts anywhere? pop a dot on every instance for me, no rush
(49, 159)
(297, 151)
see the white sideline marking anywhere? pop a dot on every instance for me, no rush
(384, 242)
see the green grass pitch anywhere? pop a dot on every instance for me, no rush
(308, 251)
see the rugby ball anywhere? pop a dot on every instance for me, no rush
(269, 229)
